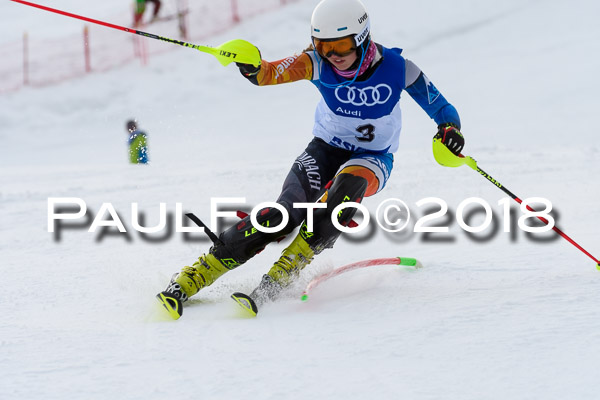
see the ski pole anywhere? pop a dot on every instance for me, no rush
(446, 158)
(236, 50)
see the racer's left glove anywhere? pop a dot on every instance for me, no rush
(450, 135)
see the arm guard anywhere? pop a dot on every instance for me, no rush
(423, 91)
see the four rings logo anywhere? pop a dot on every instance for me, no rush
(368, 96)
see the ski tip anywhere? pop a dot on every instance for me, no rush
(173, 306)
(246, 303)
(304, 297)
(598, 266)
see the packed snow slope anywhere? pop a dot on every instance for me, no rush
(506, 317)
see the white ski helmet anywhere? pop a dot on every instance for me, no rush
(333, 19)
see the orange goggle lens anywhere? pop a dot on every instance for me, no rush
(340, 47)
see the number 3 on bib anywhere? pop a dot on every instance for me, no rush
(367, 132)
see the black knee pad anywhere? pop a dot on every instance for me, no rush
(345, 188)
(243, 241)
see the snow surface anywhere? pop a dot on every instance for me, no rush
(498, 319)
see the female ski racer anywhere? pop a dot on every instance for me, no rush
(357, 128)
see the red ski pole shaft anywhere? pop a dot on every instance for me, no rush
(107, 24)
(544, 220)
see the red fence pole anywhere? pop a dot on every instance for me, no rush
(144, 49)
(86, 48)
(182, 11)
(139, 50)
(234, 11)
(25, 59)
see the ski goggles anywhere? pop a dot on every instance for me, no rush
(340, 47)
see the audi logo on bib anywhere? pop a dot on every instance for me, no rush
(368, 96)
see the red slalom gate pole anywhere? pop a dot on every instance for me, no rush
(360, 264)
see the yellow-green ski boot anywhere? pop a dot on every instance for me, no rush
(293, 259)
(188, 282)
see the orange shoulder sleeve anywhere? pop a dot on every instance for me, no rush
(291, 69)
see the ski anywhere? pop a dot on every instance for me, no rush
(246, 303)
(171, 304)
(268, 290)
